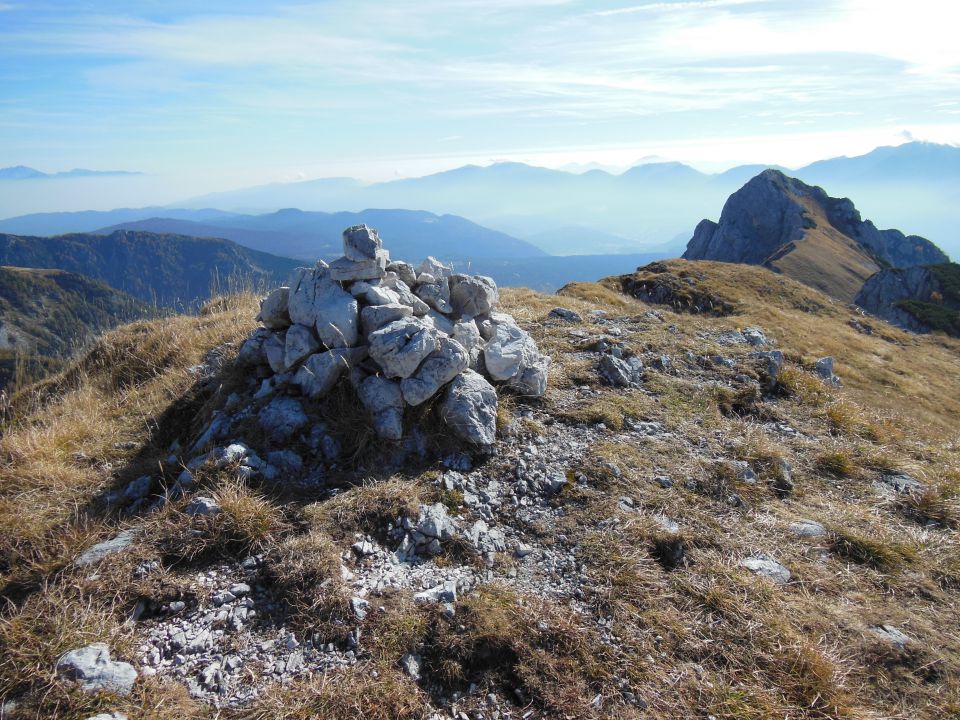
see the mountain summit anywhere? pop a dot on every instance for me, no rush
(788, 226)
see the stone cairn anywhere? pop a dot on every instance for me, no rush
(400, 335)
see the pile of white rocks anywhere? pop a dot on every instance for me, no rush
(401, 335)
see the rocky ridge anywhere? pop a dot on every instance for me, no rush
(791, 227)
(917, 299)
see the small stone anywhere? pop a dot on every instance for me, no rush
(202, 506)
(99, 551)
(892, 635)
(412, 664)
(767, 567)
(566, 315)
(94, 671)
(239, 589)
(360, 607)
(807, 528)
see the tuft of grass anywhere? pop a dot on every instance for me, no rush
(837, 463)
(879, 553)
(368, 690)
(802, 386)
(369, 509)
(305, 571)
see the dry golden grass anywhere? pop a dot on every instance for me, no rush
(694, 634)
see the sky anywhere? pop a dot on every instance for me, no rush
(218, 95)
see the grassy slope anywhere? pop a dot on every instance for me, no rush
(168, 270)
(53, 313)
(825, 258)
(704, 639)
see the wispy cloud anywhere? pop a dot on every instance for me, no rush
(674, 6)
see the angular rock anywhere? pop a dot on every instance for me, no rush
(407, 297)
(435, 294)
(317, 376)
(316, 300)
(467, 334)
(772, 366)
(566, 315)
(384, 401)
(808, 529)
(202, 506)
(361, 243)
(251, 351)
(300, 342)
(469, 409)
(302, 293)
(508, 351)
(379, 295)
(621, 372)
(767, 567)
(373, 318)
(399, 347)
(282, 417)
(373, 268)
(404, 272)
(440, 321)
(94, 671)
(531, 381)
(443, 593)
(892, 635)
(98, 552)
(485, 539)
(273, 309)
(274, 349)
(901, 482)
(755, 336)
(434, 522)
(434, 267)
(115, 715)
(473, 296)
(440, 367)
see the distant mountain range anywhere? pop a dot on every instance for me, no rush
(915, 185)
(798, 230)
(46, 315)
(22, 172)
(310, 235)
(165, 270)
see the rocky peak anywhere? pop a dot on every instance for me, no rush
(775, 216)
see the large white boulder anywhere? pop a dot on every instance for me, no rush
(469, 409)
(436, 294)
(473, 296)
(439, 368)
(399, 347)
(373, 268)
(374, 317)
(300, 342)
(273, 309)
(361, 243)
(317, 376)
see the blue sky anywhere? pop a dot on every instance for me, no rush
(239, 93)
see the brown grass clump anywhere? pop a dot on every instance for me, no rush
(305, 572)
(876, 552)
(838, 463)
(500, 640)
(367, 508)
(372, 691)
